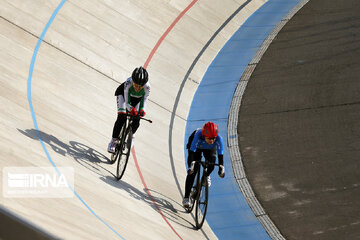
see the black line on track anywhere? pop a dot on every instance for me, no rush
(173, 114)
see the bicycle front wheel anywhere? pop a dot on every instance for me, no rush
(201, 203)
(124, 153)
(193, 194)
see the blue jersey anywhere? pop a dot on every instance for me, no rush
(199, 142)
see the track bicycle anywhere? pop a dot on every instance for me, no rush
(123, 145)
(199, 194)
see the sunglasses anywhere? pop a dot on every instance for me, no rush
(213, 139)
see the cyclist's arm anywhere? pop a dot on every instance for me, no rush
(193, 146)
(195, 141)
(191, 156)
(145, 97)
(221, 159)
(127, 85)
(220, 150)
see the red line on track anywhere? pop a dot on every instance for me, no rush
(148, 192)
(167, 31)
(145, 66)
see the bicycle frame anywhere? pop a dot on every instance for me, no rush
(123, 146)
(201, 192)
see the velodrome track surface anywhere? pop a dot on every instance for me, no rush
(77, 69)
(89, 48)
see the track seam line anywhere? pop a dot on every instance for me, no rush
(84, 63)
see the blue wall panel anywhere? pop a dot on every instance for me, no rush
(229, 215)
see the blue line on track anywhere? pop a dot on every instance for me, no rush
(32, 64)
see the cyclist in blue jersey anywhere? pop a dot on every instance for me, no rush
(131, 97)
(208, 142)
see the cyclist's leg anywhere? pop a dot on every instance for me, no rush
(190, 177)
(210, 156)
(135, 124)
(136, 120)
(121, 118)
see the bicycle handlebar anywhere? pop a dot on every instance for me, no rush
(146, 119)
(142, 118)
(203, 163)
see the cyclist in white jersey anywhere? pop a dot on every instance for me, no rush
(131, 98)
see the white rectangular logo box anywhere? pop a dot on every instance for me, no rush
(38, 182)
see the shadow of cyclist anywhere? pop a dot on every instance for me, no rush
(166, 206)
(92, 160)
(84, 155)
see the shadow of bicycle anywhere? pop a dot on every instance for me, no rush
(83, 154)
(159, 202)
(92, 160)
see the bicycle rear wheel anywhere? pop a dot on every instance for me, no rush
(201, 203)
(124, 153)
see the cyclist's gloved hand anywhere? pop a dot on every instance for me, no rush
(133, 111)
(142, 113)
(221, 171)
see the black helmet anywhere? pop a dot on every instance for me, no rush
(140, 76)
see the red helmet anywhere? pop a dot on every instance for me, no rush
(210, 130)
